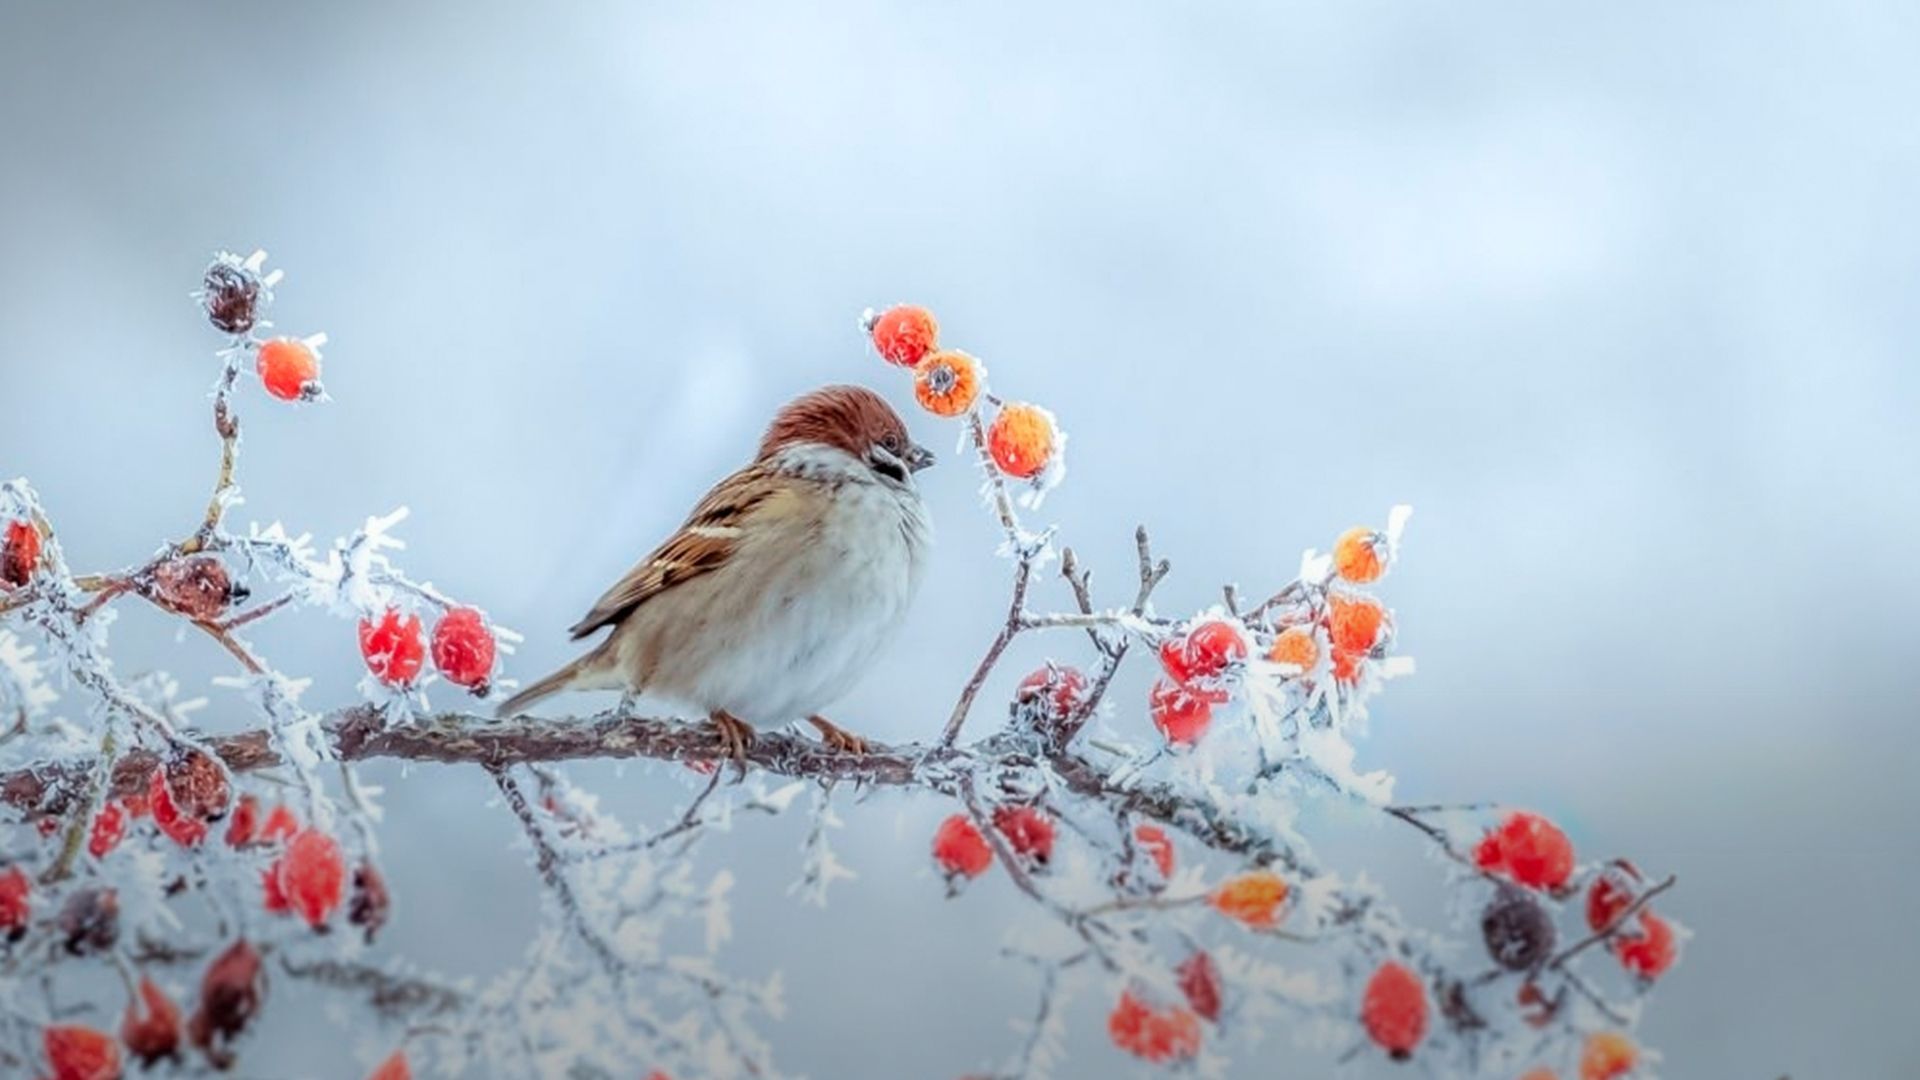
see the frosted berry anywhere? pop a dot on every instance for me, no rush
(960, 849)
(1360, 555)
(151, 1026)
(1356, 624)
(1028, 831)
(1527, 848)
(905, 333)
(1154, 1035)
(394, 1068)
(1518, 931)
(197, 782)
(1257, 899)
(81, 1053)
(948, 383)
(198, 587)
(231, 992)
(1607, 1055)
(90, 921)
(310, 877)
(182, 828)
(1181, 714)
(243, 829)
(1346, 666)
(1204, 652)
(16, 905)
(1153, 840)
(1611, 894)
(230, 293)
(19, 553)
(109, 828)
(1649, 951)
(1200, 983)
(281, 824)
(463, 649)
(1053, 693)
(289, 369)
(1394, 1010)
(1539, 1073)
(1022, 440)
(392, 647)
(1296, 646)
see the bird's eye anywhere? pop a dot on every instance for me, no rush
(892, 443)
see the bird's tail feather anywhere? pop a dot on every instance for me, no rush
(573, 676)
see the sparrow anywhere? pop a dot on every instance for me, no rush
(783, 585)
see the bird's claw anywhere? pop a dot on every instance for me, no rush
(736, 735)
(837, 737)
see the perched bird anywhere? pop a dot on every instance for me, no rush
(790, 575)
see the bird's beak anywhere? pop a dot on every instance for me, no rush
(918, 457)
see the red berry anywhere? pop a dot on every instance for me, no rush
(109, 828)
(1611, 894)
(392, 647)
(19, 553)
(1529, 849)
(1029, 832)
(1650, 952)
(1346, 666)
(244, 827)
(1208, 648)
(1053, 693)
(281, 825)
(81, 1053)
(183, 828)
(289, 369)
(1355, 623)
(905, 334)
(1200, 982)
(199, 588)
(1394, 1010)
(394, 1068)
(960, 849)
(151, 1033)
(1182, 714)
(15, 908)
(463, 649)
(309, 878)
(1155, 1035)
(1152, 839)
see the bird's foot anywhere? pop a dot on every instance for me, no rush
(735, 736)
(838, 737)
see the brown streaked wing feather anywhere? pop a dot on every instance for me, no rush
(700, 546)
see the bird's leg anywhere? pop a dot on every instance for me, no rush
(838, 737)
(735, 734)
(629, 702)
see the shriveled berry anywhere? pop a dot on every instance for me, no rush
(1518, 931)
(948, 383)
(1607, 1055)
(1257, 899)
(90, 921)
(1394, 1009)
(1649, 951)
(1200, 983)
(19, 554)
(1022, 440)
(230, 293)
(80, 1053)
(905, 333)
(289, 369)
(109, 828)
(231, 993)
(1527, 848)
(198, 786)
(311, 876)
(1182, 714)
(151, 1026)
(1360, 555)
(463, 649)
(1153, 840)
(198, 587)
(392, 647)
(1153, 1035)
(960, 850)
(16, 905)
(370, 902)
(1028, 831)
(1297, 647)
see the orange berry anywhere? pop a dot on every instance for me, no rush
(1394, 1010)
(19, 553)
(1360, 555)
(1541, 1073)
(289, 369)
(1257, 899)
(1153, 840)
(1295, 645)
(1155, 1035)
(394, 1068)
(905, 333)
(960, 849)
(1022, 440)
(1607, 1055)
(1346, 666)
(947, 383)
(1356, 623)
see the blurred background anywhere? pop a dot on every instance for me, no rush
(1620, 297)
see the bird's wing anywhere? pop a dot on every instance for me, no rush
(708, 539)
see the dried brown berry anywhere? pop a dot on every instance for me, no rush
(151, 1027)
(198, 587)
(370, 903)
(1519, 932)
(90, 921)
(198, 786)
(231, 294)
(230, 995)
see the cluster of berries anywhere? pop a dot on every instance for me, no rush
(464, 648)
